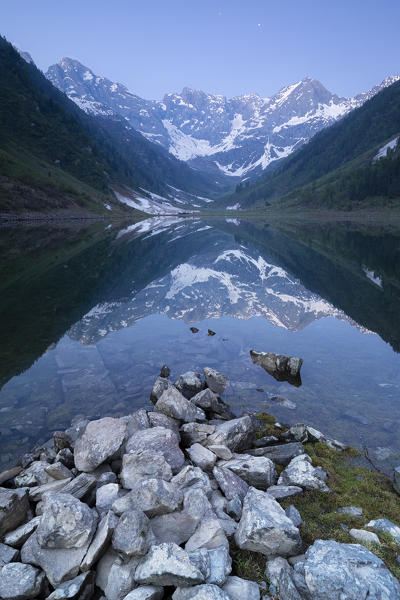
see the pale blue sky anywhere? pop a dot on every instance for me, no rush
(221, 46)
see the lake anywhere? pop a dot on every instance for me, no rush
(90, 313)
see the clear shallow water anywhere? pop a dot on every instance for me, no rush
(89, 315)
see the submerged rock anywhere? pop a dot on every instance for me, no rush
(282, 368)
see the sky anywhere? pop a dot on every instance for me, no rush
(228, 47)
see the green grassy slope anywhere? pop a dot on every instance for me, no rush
(335, 167)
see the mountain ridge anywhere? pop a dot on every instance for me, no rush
(228, 138)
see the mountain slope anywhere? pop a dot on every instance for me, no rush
(228, 139)
(339, 167)
(53, 155)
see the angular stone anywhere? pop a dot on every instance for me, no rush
(257, 471)
(13, 508)
(280, 576)
(206, 400)
(386, 526)
(100, 541)
(284, 491)
(196, 503)
(106, 495)
(9, 474)
(193, 433)
(153, 496)
(158, 439)
(103, 568)
(189, 384)
(157, 419)
(66, 457)
(231, 484)
(61, 441)
(265, 528)
(34, 475)
(236, 434)
(137, 421)
(300, 472)
(80, 486)
(333, 570)
(202, 457)
(220, 565)
(191, 478)
(58, 470)
(146, 464)
(281, 454)
(19, 536)
(79, 588)
(133, 535)
(121, 578)
(146, 592)
(214, 380)
(174, 527)
(36, 493)
(59, 564)
(168, 564)
(221, 451)
(364, 536)
(267, 440)
(65, 523)
(201, 560)
(207, 591)
(209, 534)
(294, 515)
(18, 581)
(353, 511)
(160, 385)
(239, 589)
(101, 440)
(173, 404)
(7, 554)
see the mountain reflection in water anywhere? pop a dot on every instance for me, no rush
(90, 314)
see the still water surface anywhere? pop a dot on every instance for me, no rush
(89, 315)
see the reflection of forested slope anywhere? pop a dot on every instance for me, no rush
(51, 276)
(331, 259)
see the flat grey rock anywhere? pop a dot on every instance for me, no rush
(19, 536)
(189, 384)
(121, 578)
(173, 404)
(153, 496)
(101, 440)
(106, 495)
(100, 541)
(301, 472)
(7, 554)
(294, 515)
(386, 526)
(280, 576)
(66, 522)
(200, 592)
(202, 457)
(57, 485)
(231, 484)
(145, 464)
(239, 589)
(236, 434)
(220, 565)
(265, 528)
(192, 433)
(174, 527)
(353, 511)
(333, 571)
(146, 592)
(79, 588)
(133, 535)
(18, 581)
(157, 419)
(284, 491)
(80, 486)
(13, 508)
(160, 385)
(280, 454)
(168, 564)
(192, 478)
(158, 439)
(209, 534)
(257, 471)
(221, 451)
(364, 536)
(34, 475)
(58, 470)
(215, 381)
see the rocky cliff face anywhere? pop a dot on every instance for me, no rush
(233, 137)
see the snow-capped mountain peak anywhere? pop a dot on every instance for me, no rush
(239, 137)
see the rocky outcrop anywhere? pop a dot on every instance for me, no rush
(159, 501)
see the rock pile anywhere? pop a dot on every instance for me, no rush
(153, 505)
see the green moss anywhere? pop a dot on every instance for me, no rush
(249, 565)
(351, 485)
